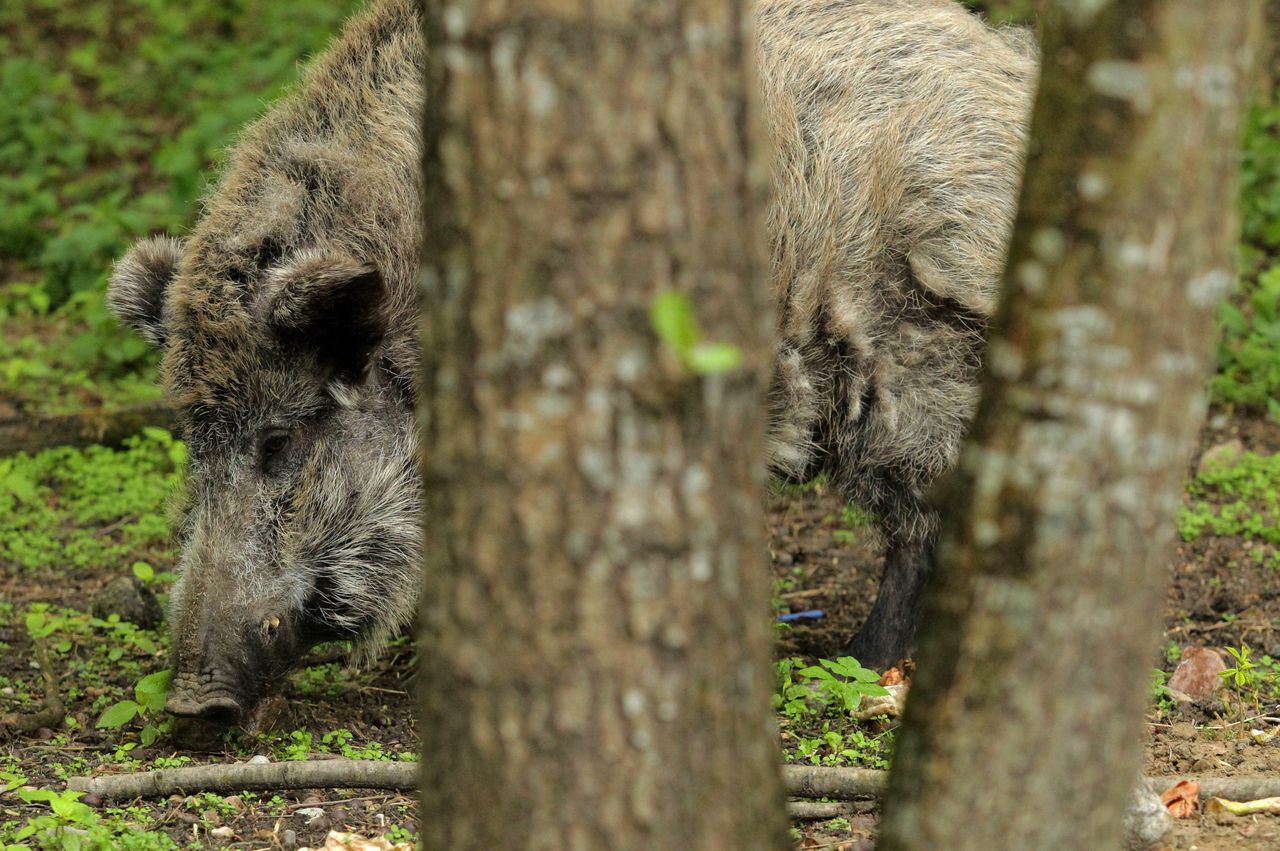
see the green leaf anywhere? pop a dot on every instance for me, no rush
(158, 434)
(672, 318)
(714, 358)
(143, 571)
(152, 690)
(119, 714)
(36, 624)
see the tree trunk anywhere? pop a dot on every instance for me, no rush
(1046, 609)
(595, 640)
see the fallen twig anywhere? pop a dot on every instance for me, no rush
(813, 810)
(241, 777)
(51, 711)
(1231, 788)
(816, 781)
(108, 426)
(801, 781)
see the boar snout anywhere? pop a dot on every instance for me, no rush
(221, 682)
(220, 708)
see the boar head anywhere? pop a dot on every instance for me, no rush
(298, 522)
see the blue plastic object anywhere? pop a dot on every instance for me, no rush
(806, 615)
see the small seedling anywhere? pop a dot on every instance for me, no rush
(674, 322)
(150, 694)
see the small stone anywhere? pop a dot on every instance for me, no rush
(1199, 673)
(1146, 821)
(312, 801)
(92, 799)
(133, 601)
(260, 759)
(1220, 455)
(289, 838)
(311, 814)
(784, 558)
(222, 833)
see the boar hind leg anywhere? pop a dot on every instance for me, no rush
(888, 634)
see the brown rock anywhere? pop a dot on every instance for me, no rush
(1220, 455)
(127, 597)
(1199, 673)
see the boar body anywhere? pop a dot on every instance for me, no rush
(287, 319)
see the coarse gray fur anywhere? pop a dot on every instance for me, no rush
(898, 127)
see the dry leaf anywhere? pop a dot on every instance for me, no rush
(892, 677)
(339, 841)
(890, 704)
(1242, 808)
(1182, 798)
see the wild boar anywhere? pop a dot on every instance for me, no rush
(287, 319)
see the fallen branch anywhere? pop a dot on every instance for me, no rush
(816, 781)
(51, 711)
(243, 777)
(812, 810)
(108, 426)
(1231, 788)
(800, 781)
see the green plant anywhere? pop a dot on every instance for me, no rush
(70, 508)
(1240, 496)
(149, 694)
(1249, 347)
(673, 320)
(850, 746)
(64, 826)
(844, 681)
(297, 747)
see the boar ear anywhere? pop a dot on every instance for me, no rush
(138, 284)
(330, 304)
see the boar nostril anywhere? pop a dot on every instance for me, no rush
(221, 715)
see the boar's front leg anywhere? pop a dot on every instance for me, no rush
(887, 636)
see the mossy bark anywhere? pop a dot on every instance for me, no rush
(1023, 726)
(595, 639)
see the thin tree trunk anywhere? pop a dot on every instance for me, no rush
(1023, 727)
(595, 644)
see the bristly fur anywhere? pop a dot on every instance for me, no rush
(898, 128)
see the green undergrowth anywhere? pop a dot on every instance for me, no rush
(815, 706)
(1249, 348)
(1238, 495)
(1248, 374)
(114, 118)
(94, 508)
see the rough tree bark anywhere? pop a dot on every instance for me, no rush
(595, 639)
(1044, 618)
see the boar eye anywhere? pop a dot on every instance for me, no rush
(274, 443)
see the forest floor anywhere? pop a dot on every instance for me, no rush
(1225, 593)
